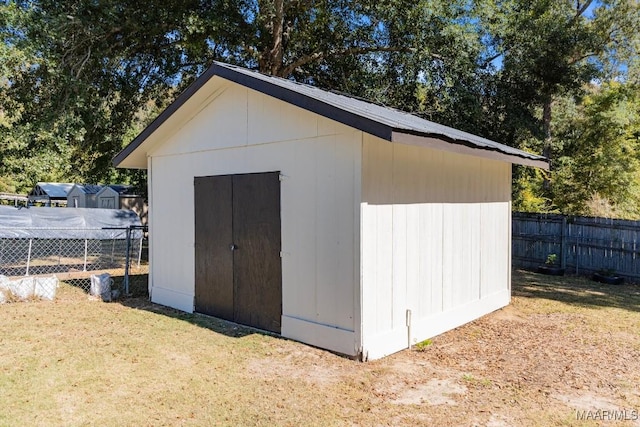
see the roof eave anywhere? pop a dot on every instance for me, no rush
(442, 142)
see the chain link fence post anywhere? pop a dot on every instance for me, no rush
(127, 262)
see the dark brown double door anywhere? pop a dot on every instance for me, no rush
(237, 249)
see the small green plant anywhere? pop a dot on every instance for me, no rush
(422, 345)
(478, 382)
(468, 377)
(551, 266)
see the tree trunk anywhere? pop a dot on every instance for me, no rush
(270, 60)
(546, 126)
(546, 150)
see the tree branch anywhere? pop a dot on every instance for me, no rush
(84, 61)
(581, 57)
(316, 56)
(581, 9)
(491, 59)
(277, 51)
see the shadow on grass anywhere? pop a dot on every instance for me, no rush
(138, 299)
(214, 324)
(575, 290)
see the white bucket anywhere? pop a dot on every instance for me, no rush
(101, 286)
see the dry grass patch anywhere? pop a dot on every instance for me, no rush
(564, 344)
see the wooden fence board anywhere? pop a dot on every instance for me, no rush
(583, 244)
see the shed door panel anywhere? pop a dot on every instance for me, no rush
(213, 257)
(245, 284)
(257, 264)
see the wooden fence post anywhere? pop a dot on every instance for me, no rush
(578, 236)
(563, 241)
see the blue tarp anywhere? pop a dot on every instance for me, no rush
(67, 223)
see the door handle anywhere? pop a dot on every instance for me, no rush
(233, 247)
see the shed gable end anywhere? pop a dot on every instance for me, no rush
(240, 117)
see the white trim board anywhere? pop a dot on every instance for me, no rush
(173, 299)
(319, 335)
(396, 340)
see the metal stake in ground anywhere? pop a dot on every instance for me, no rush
(126, 262)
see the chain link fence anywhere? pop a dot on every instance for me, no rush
(28, 257)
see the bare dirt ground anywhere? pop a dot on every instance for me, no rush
(565, 352)
(564, 348)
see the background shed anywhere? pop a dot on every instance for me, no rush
(83, 196)
(109, 196)
(50, 193)
(327, 219)
(117, 196)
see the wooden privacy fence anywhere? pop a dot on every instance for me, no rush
(583, 245)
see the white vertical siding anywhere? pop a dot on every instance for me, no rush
(432, 236)
(435, 240)
(377, 242)
(495, 253)
(242, 131)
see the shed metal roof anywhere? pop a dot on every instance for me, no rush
(89, 188)
(121, 189)
(384, 122)
(117, 189)
(53, 190)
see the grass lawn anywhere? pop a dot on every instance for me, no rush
(564, 346)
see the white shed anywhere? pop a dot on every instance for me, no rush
(83, 196)
(326, 219)
(120, 196)
(108, 198)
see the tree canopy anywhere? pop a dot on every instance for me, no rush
(80, 78)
